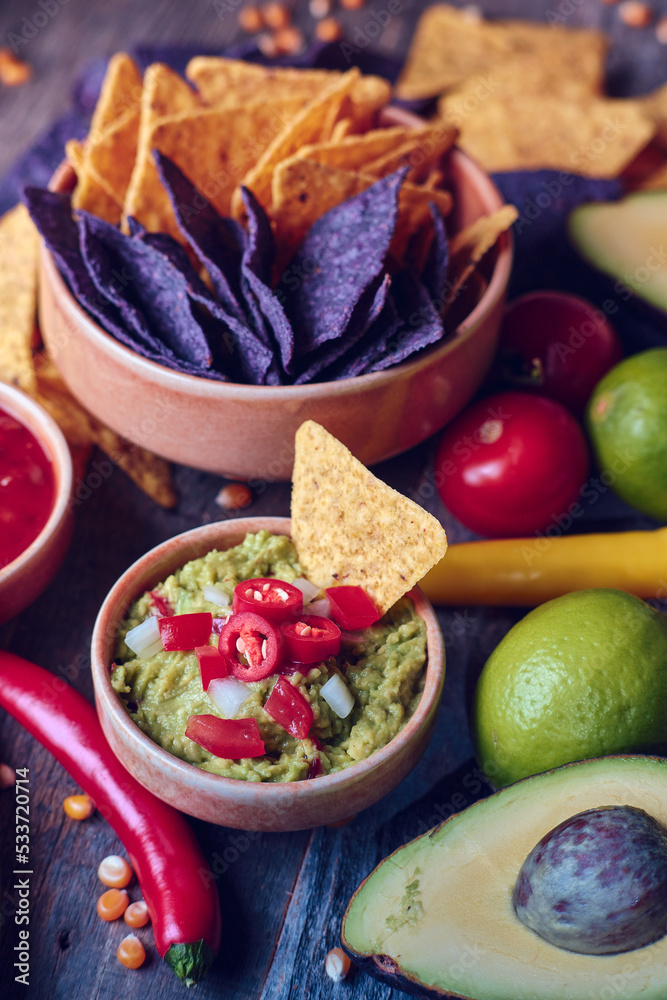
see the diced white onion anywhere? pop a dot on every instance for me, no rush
(338, 696)
(228, 694)
(144, 640)
(322, 608)
(308, 589)
(215, 595)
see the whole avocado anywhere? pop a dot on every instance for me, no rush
(627, 423)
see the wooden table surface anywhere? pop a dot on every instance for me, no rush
(282, 895)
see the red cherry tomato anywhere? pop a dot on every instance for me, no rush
(558, 345)
(255, 638)
(511, 465)
(311, 639)
(273, 599)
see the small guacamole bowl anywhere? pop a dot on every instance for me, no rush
(249, 805)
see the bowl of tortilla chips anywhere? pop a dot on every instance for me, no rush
(389, 559)
(331, 258)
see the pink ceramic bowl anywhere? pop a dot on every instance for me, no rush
(247, 805)
(22, 580)
(245, 431)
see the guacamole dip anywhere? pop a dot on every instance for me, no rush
(383, 667)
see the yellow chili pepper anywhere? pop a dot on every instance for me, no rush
(527, 571)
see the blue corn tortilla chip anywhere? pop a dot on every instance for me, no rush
(233, 343)
(256, 269)
(382, 331)
(436, 267)
(342, 255)
(421, 325)
(324, 362)
(145, 286)
(52, 215)
(218, 242)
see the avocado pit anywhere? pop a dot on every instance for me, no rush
(597, 883)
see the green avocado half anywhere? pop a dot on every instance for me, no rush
(626, 240)
(436, 917)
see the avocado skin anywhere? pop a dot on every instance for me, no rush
(383, 967)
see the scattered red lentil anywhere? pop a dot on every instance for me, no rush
(276, 15)
(234, 496)
(13, 71)
(250, 19)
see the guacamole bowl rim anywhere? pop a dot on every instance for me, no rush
(233, 802)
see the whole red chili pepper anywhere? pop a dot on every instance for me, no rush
(173, 873)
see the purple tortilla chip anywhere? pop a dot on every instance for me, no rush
(342, 255)
(322, 363)
(421, 325)
(436, 267)
(256, 267)
(145, 286)
(218, 242)
(233, 342)
(386, 327)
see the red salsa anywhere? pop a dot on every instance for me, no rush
(27, 488)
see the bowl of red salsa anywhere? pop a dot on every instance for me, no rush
(35, 494)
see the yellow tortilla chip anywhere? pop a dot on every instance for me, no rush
(341, 129)
(104, 163)
(597, 138)
(420, 151)
(19, 246)
(312, 124)
(353, 152)
(467, 247)
(90, 192)
(219, 80)
(150, 473)
(303, 190)
(121, 92)
(216, 147)
(112, 157)
(350, 528)
(368, 96)
(164, 95)
(450, 46)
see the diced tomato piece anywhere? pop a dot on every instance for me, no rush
(255, 637)
(311, 639)
(161, 604)
(351, 607)
(185, 631)
(230, 738)
(288, 707)
(211, 664)
(273, 599)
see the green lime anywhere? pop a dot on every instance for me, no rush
(627, 422)
(581, 676)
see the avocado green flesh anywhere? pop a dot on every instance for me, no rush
(465, 938)
(627, 240)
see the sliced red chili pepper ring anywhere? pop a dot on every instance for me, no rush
(257, 639)
(185, 631)
(311, 639)
(351, 607)
(233, 739)
(211, 664)
(273, 599)
(288, 707)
